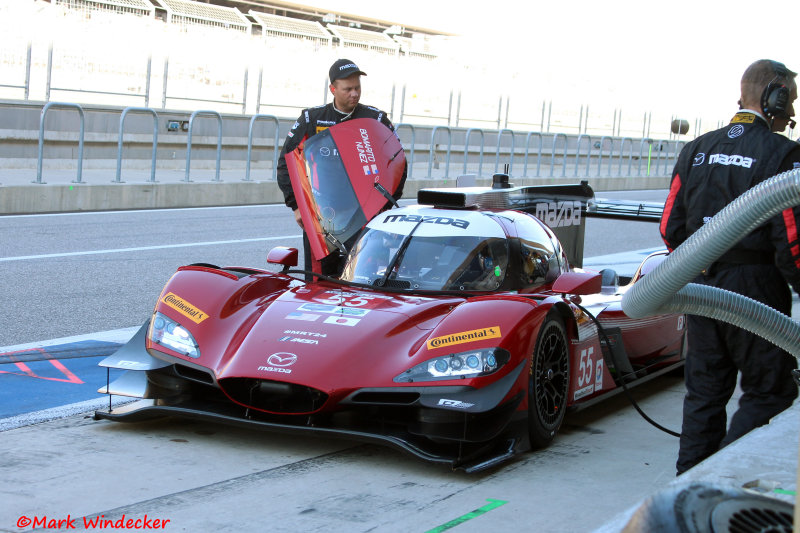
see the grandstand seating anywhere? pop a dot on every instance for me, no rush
(190, 12)
(134, 7)
(364, 39)
(277, 26)
(193, 54)
(419, 47)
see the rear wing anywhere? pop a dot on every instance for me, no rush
(625, 210)
(563, 208)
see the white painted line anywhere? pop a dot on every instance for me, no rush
(115, 335)
(147, 211)
(45, 415)
(144, 248)
(144, 211)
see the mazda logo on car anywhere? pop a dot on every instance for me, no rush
(282, 359)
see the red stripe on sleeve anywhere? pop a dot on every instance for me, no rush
(673, 193)
(791, 226)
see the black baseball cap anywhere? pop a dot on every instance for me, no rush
(344, 68)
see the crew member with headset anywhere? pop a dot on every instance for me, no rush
(345, 86)
(712, 171)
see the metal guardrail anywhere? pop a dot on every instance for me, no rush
(275, 149)
(599, 145)
(165, 96)
(197, 113)
(27, 85)
(45, 109)
(498, 121)
(432, 153)
(497, 153)
(553, 155)
(49, 87)
(586, 155)
(630, 154)
(528, 149)
(427, 115)
(413, 144)
(578, 153)
(650, 143)
(125, 112)
(589, 157)
(466, 149)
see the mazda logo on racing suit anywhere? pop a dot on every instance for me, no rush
(736, 160)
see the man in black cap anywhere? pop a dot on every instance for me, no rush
(345, 78)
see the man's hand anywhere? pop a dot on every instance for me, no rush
(298, 218)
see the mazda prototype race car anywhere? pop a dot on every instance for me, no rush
(460, 330)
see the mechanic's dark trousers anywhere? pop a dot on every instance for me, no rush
(717, 351)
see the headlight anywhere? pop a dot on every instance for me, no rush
(463, 365)
(167, 332)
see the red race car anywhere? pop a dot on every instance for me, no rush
(460, 329)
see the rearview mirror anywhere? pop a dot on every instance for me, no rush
(282, 255)
(578, 283)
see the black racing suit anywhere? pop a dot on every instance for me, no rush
(310, 122)
(712, 171)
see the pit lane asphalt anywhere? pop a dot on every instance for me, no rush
(205, 477)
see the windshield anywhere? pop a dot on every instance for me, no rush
(335, 202)
(335, 176)
(460, 263)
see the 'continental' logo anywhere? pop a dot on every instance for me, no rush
(464, 336)
(184, 308)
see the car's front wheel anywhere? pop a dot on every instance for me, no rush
(548, 383)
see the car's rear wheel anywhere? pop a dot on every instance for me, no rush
(548, 383)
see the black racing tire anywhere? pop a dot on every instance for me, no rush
(548, 383)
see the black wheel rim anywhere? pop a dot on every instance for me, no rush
(550, 376)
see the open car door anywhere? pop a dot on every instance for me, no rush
(337, 175)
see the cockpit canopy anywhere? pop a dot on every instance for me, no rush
(430, 249)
